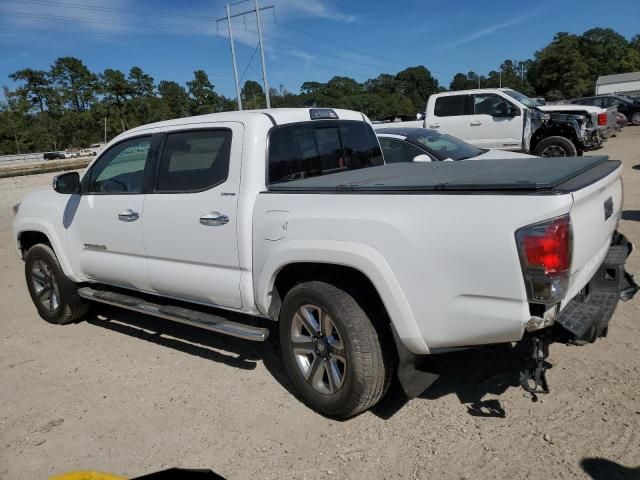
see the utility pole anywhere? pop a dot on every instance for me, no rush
(228, 18)
(233, 59)
(522, 74)
(478, 75)
(501, 77)
(105, 130)
(264, 67)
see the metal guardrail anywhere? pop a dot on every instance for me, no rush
(24, 158)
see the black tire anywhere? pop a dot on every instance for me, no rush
(635, 119)
(561, 146)
(368, 369)
(44, 277)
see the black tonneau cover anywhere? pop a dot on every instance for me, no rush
(523, 174)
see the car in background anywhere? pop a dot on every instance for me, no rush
(625, 106)
(406, 144)
(54, 155)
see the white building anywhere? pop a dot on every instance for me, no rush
(625, 83)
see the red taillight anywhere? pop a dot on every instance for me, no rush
(602, 119)
(545, 254)
(551, 248)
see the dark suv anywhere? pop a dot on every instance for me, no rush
(625, 106)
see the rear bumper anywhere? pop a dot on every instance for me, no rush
(586, 317)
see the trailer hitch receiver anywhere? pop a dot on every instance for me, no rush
(533, 376)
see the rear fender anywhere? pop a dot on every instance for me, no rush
(361, 257)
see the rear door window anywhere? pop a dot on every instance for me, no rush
(451, 106)
(311, 149)
(193, 161)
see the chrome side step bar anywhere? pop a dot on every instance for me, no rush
(195, 318)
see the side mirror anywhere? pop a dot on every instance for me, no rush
(422, 158)
(67, 183)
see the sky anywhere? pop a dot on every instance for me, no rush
(304, 39)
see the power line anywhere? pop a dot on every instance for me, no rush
(107, 9)
(248, 64)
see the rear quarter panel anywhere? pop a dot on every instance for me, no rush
(446, 266)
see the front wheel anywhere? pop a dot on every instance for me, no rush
(635, 119)
(53, 294)
(333, 354)
(556, 147)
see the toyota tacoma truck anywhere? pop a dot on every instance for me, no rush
(292, 216)
(505, 119)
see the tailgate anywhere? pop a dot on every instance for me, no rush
(595, 213)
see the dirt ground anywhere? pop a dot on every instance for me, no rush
(129, 394)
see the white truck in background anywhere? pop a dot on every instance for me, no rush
(505, 119)
(291, 216)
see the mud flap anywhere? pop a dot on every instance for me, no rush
(412, 380)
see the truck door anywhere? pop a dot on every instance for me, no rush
(190, 216)
(495, 122)
(104, 224)
(450, 115)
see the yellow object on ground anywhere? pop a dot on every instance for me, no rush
(86, 476)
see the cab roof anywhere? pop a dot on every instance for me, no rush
(277, 116)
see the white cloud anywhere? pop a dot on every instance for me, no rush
(489, 30)
(307, 58)
(314, 8)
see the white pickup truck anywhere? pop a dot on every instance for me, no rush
(291, 215)
(505, 119)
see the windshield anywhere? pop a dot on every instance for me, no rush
(444, 146)
(523, 99)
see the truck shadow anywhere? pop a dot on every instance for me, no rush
(470, 375)
(633, 215)
(603, 469)
(183, 338)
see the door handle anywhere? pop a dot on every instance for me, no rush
(214, 219)
(128, 216)
(435, 125)
(475, 124)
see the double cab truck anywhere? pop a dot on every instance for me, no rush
(505, 119)
(291, 216)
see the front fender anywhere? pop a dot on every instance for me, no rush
(361, 257)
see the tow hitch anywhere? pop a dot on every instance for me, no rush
(533, 376)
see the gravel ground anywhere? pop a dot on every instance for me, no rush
(130, 394)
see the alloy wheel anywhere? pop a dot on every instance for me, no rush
(45, 285)
(318, 349)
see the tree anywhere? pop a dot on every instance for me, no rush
(607, 52)
(76, 83)
(560, 66)
(202, 94)
(36, 86)
(141, 83)
(116, 89)
(252, 95)
(14, 110)
(174, 98)
(418, 84)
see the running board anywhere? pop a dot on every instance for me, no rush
(195, 318)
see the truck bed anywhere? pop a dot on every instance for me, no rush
(544, 175)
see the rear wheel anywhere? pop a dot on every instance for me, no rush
(53, 294)
(635, 119)
(555, 147)
(331, 350)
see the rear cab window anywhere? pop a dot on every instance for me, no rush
(315, 148)
(193, 161)
(451, 106)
